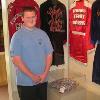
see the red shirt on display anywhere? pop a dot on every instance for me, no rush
(79, 19)
(14, 16)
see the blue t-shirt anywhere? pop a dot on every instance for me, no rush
(32, 46)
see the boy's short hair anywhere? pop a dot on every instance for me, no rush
(28, 8)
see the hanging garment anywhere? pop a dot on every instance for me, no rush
(95, 22)
(95, 38)
(54, 23)
(14, 14)
(96, 66)
(79, 24)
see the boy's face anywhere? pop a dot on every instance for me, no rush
(29, 19)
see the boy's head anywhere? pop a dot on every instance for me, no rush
(29, 16)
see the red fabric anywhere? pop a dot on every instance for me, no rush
(79, 37)
(14, 17)
(78, 49)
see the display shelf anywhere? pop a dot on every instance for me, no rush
(76, 94)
